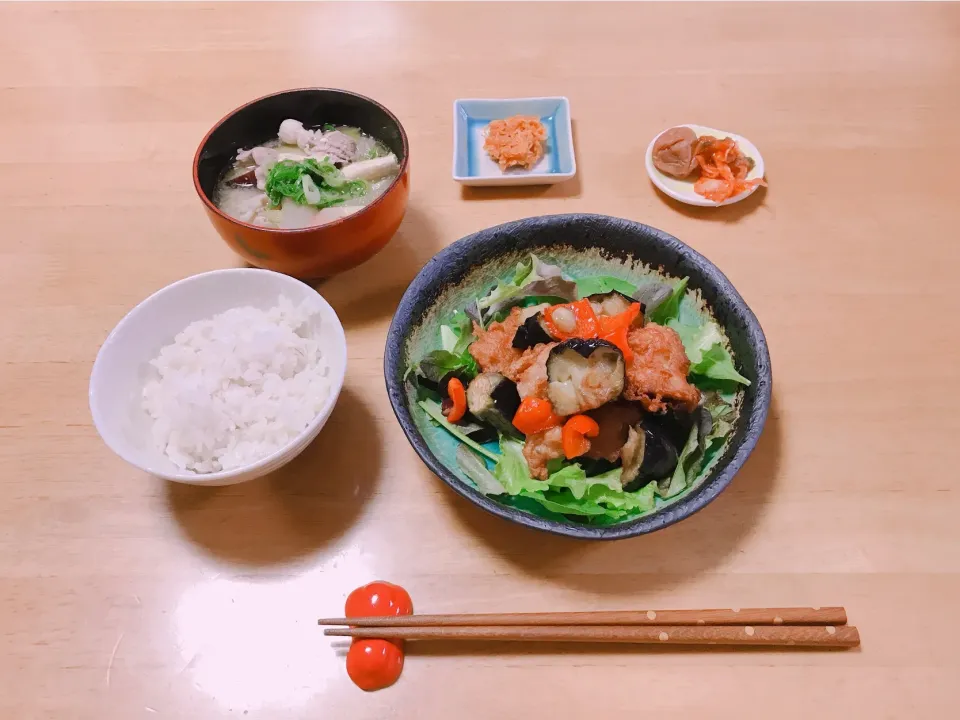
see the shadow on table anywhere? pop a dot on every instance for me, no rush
(371, 292)
(569, 189)
(446, 648)
(296, 510)
(663, 559)
(727, 213)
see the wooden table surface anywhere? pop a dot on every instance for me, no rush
(123, 597)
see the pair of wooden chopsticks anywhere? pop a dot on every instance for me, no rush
(800, 627)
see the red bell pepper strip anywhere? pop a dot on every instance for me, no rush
(458, 395)
(535, 415)
(575, 433)
(586, 320)
(614, 329)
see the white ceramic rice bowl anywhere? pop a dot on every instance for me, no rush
(122, 365)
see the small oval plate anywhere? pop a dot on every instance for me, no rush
(682, 190)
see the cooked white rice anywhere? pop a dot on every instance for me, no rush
(237, 387)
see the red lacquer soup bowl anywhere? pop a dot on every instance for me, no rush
(320, 250)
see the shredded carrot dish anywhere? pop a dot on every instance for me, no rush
(515, 141)
(723, 169)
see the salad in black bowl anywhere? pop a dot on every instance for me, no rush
(578, 381)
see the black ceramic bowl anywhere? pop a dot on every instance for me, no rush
(479, 259)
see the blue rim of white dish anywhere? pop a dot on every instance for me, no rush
(553, 175)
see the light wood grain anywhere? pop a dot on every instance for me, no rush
(122, 597)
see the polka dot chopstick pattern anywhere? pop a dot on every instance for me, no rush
(777, 627)
(829, 636)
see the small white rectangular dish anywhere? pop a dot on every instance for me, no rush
(472, 165)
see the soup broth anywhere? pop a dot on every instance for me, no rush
(304, 177)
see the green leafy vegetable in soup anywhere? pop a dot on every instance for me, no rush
(306, 176)
(309, 182)
(650, 396)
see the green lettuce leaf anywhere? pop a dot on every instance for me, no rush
(652, 294)
(509, 288)
(638, 501)
(629, 503)
(565, 504)
(456, 340)
(462, 327)
(669, 309)
(718, 365)
(453, 355)
(696, 338)
(604, 284)
(722, 416)
(432, 408)
(511, 469)
(599, 502)
(434, 365)
(523, 270)
(475, 468)
(570, 492)
(704, 347)
(531, 277)
(573, 478)
(448, 338)
(679, 481)
(711, 452)
(532, 506)
(461, 323)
